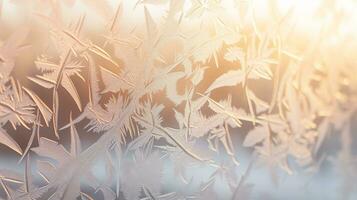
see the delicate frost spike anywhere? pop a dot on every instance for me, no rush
(71, 89)
(35, 130)
(230, 78)
(75, 141)
(42, 81)
(7, 140)
(44, 109)
(28, 175)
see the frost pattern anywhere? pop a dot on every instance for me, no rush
(170, 86)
